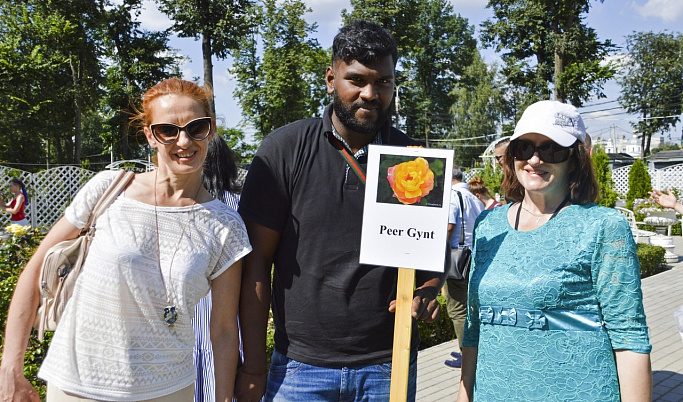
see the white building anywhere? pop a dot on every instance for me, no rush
(622, 144)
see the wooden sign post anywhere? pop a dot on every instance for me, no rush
(405, 220)
(400, 362)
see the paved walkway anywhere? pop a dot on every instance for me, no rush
(663, 294)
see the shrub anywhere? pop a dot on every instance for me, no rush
(14, 254)
(492, 177)
(608, 197)
(651, 258)
(639, 183)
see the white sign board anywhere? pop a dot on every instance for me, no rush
(405, 217)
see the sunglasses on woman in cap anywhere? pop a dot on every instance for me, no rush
(549, 152)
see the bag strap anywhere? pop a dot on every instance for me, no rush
(350, 159)
(108, 197)
(462, 221)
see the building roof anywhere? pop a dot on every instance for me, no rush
(667, 156)
(624, 157)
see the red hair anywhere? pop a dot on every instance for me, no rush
(173, 86)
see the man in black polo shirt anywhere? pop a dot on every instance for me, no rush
(303, 208)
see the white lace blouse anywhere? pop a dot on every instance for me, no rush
(112, 342)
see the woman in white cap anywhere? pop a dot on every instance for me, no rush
(555, 308)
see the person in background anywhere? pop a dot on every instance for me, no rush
(589, 145)
(455, 291)
(498, 152)
(555, 307)
(667, 200)
(303, 206)
(219, 177)
(478, 188)
(18, 204)
(125, 334)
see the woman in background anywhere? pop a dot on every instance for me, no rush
(220, 179)
(478, 188)
(555, 307)
(18, 203)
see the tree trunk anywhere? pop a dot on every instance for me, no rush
(208, 65)
(123, 131)
(427, 130)
(76, 76)
(559, 68)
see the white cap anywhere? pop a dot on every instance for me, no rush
(558, 121)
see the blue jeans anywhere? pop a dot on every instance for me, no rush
(293, 381)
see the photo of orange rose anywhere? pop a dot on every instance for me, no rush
(411, 180)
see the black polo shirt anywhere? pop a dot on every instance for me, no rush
(329, 309)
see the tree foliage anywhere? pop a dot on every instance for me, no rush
(140, 60)
(435, 46)
(652, 83)
(476, 111)
(545, 44)
(285, 82)
(70, 70)
(219, 24)
(49, 76)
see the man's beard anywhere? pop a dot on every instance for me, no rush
(346, 116)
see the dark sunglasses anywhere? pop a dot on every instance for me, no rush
(549, 152)
(167, 133)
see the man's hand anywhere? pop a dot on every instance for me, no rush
(250, 387)
(424, 307)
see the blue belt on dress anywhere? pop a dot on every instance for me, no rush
(559, 319)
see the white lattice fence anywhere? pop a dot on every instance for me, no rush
(669, 177)
(54, 190)
(51, 191)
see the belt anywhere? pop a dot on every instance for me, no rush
(567, 320)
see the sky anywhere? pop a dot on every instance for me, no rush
(612, 19)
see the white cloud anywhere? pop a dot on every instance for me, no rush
(466, 6)
(152, 19)
(666, 10)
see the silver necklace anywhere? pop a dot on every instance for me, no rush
(170, 313)
(538, 217)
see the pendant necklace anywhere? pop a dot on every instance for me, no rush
(538, 218)
(170, 312)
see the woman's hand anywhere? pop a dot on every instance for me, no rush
(15, 387)
(667, 200)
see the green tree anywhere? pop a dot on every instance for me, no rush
(435, 46)
(653, 82)
(50, 76)
(219, 24)
(140, 60)
(545, 44)
(236, 140)
(398, 16)
(476, 111)
(639, 183)
(444, 47)
(287, 82)
(608, 197)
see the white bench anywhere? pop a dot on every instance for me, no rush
(641, 236)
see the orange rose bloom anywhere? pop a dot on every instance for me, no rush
(411, 180)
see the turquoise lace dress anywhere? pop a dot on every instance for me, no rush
(547, 307)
